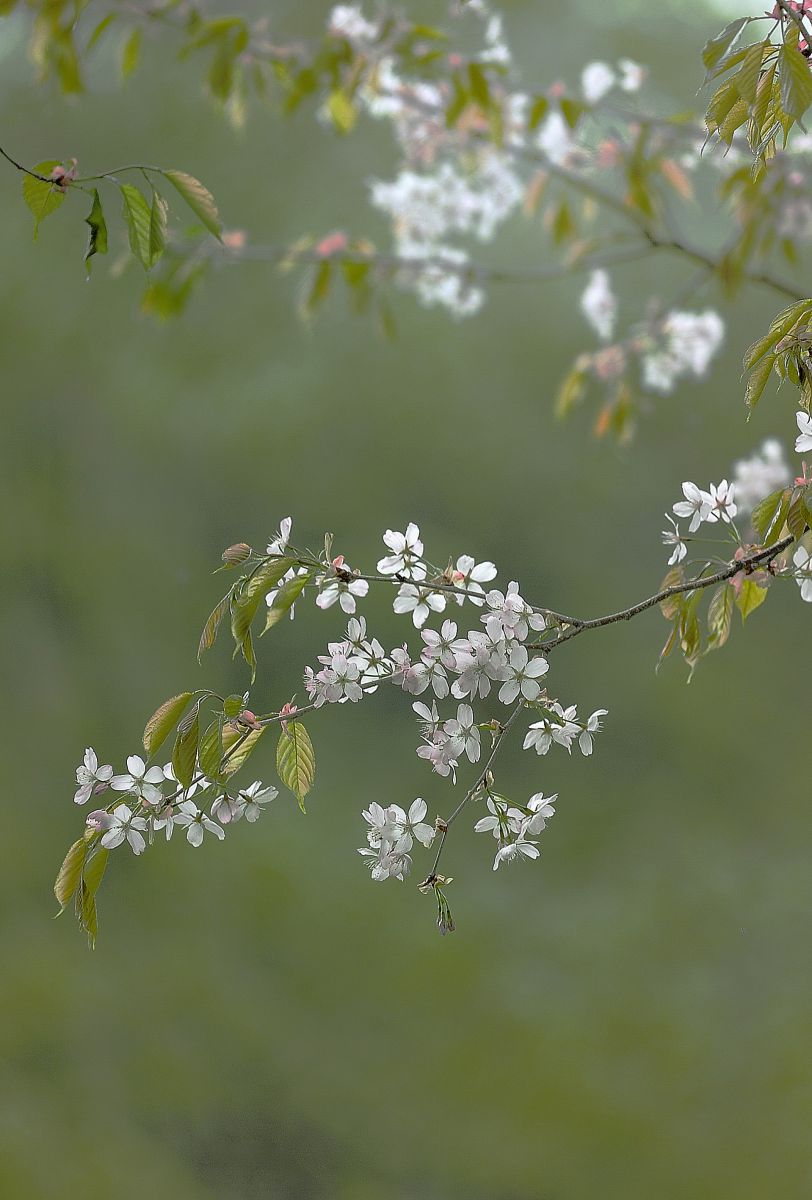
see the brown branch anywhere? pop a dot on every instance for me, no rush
(26, 171)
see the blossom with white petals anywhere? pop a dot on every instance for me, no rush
(673, 537)
(803, 565)
(804, 440)
(593, 725)
(464, 733)
(722, 502)
(254, 797)
(139, 780)
(125, 825)
(523, 675)
(195, 821)
(91, 778)
(470, 575)
(407, 550)
(541, 810)
(344, 591)
(756, 477)
(696, 505)
(515, 852)
(419, 601)
(597, 78)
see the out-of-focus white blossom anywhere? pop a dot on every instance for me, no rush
(599, 304)
(597, 78)
(756, 477)
(685, 342)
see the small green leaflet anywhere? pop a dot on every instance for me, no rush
(138, 218)
(285, 599)
(296, 760)
(157, 227)
(796, 82)
(131, 53)
(97, 241)
(184, 752)
(750, 597)
(231, 735)
(199, 199)
(209, 634)
(41, 197)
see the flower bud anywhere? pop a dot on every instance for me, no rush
(236, 554)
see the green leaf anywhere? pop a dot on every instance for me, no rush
(103, 25)
(211, 750)
(199, 199)
(672, 605)
(41, 197)
(70, 872)
(720, 616)
(342, 111)
(93, 872)
(296, 760)
(478, 83)
(131, 53)
(757, 381)
(538, 111)
(796, 515)
(750, 596)
(285, 598)
(233, 705)
(231, 734)
(157, 227)
(184, 751)
(247, 601)
(209, 634)
(87, 914)
(766, 511)
(137, 217)
(97, 241)
(746, 78)
(717, 47)
(163, 720)
(796, 82)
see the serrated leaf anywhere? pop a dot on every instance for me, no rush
(131, 53)
(796, 515)
(231, 735)
(750, 597)
(97, 240)
(209, 634)
(672, 605)
(137, 218)
(211, 750)
(94, 869)
(233, 705)
(796, 83)
(199, 199)
(766, 511)
(747, 76)
(285, 599)
(70, 872)
(296, 760)
(157, 227)
(184, 752)
(715, 49)
(164, 719)
(757, 381)
(42, 198)
(247, 601)
(720, 616)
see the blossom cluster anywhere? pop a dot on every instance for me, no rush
(154, 802)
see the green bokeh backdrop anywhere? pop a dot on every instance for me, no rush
(627, 1019)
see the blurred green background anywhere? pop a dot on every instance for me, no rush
(627, 1019)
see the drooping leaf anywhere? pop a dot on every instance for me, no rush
(296, 760)
(720, 616)
(199, 199)
(93, 872)
(42, 197)
(342, 110)
(285, 598)
(248, 599)
(717, 47)
(750, 597)
(157, 227)
(672, 604)
(137, 218)
(210, 751)
(746, 78)
(757, 381)
(766, 511)
(70, 872)
(231, 735)
(184, 752)
(209, 634)
(796, 514)
(102, 27)
(97, 239)
(796, 81)
(163, 720)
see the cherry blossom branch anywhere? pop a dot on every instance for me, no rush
(746, 564)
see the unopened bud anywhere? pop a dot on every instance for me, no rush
(236, 554)
(248, 718)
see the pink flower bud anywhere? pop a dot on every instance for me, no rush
(236, 554)
(334, 243)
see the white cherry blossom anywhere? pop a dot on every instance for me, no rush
(195, 821)
(696, 505)
(803, 442)
(91, 778)
(139, 780)
(125, 825)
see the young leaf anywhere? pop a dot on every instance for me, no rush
(245, 604)
(137, 217)
(199, 199)
(342, 111)
(796, 82)
(757, 381)
(285, 599)
(231, 735)
(295, 760)
(93, 872)
(766, 512)
(750, 596)
(209, 634)
(211, 750)
(720, 615)
(717, 47)
(157, 227)
(97, 240)
(70, 872)
(41, 197)
(86, 912)
(184, 751)
(746, 78)
(163, 720)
